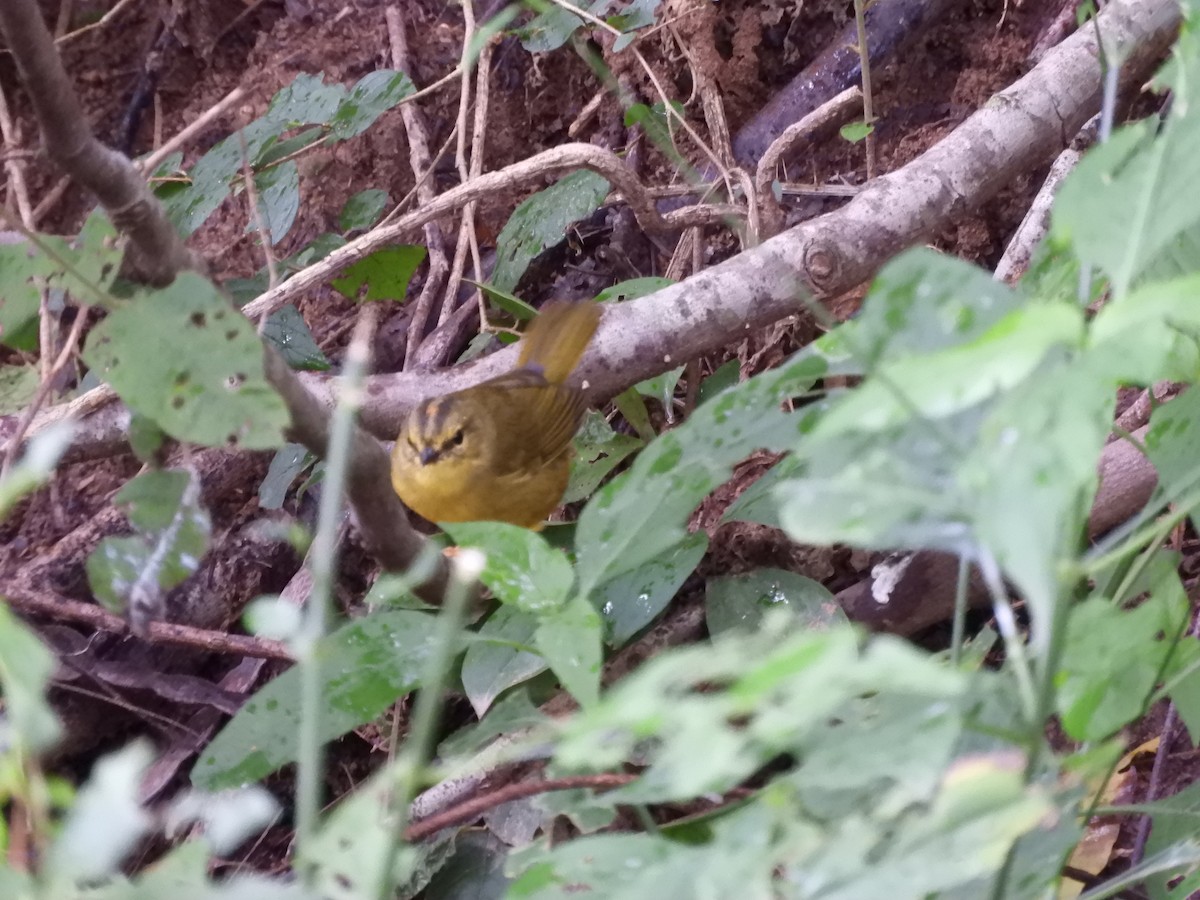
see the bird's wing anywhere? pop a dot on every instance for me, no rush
(553, 411)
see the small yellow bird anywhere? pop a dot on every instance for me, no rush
(501, 450)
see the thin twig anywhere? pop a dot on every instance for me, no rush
(44, 387)
(472, 809)
(63, 609)
(467, 238)
(260, 222)
(99, 23)
(864, 53)
(151, 162)
(422, 165)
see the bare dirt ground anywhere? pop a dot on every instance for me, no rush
(749, 48)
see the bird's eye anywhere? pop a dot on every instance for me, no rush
(456, 438)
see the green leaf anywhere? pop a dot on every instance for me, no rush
(1151, 333)
(1128, 199)
(386, 274)
(1176, 820)
(636, 15)
(204, 380)
(941, 383)
(23, 271)
(598, 450)
(741, 601)
(632, 600)
(474, 872)
(35, 467)
(644, 512)
(550, 29)
(363, 210)
(855, 131)
(569, 639)
(145, 438)
(725, 376)
(541, 221)
(134, 573)
(1114, 657)
(375, 93)
(18, 385)
(657, 125)
(522, 570)
(287, 330)
(919, 303)
(661, 388)
(509, 303)
(632, 288)
(278, 199)
(489, 669)
(365, 665)
(288, 462)
(26, 667)
(348, 858)
(633, 408)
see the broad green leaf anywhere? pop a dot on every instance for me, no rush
(186, 359)
(26, 667)
(1114, 657)
(1151, 334)
(509, 303)
(942, 383)
(921, 302)
(1129, 198)
(550, 29)
(855, 131)
(598, 450)
(633, 16)
(375, 93)
(1176, 820)
(741, 601)
(349, 856)
(474, 872)
(18, 385)
(632, 600)
(287, 330)
(725, 376)
(644, 512)
(522, 570)
(288, 462)
(489, 669)
(385, 273)
(661, 388)
(513, 712)
(23, 271)
(363, 210)
(570, 640)
(365, 666)
(145, 438)
(541, 221)
(632, 288)
(278, 199)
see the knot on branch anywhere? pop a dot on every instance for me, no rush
(822, 265)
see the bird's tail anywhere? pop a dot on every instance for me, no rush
(557, 338)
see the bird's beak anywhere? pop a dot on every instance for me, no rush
(427, 455)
